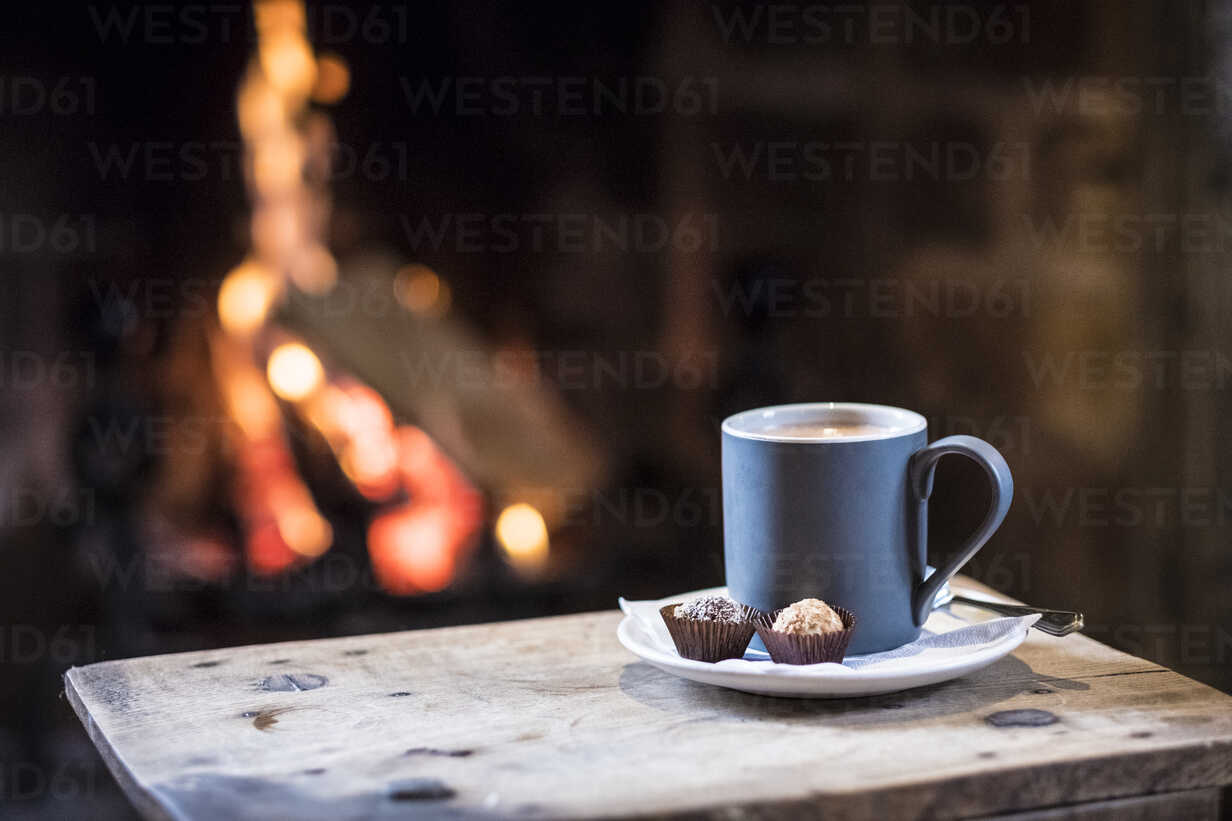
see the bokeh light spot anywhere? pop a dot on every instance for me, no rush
(333, 79)
(294, 372)
(523, 535)
(245, 298)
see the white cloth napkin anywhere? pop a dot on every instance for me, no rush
(945, 636)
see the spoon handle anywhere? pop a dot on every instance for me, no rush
(1052, 622)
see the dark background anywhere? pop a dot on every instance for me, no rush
(1012, 218)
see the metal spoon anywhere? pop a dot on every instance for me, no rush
(1052, 622)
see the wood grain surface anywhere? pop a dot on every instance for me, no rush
(553, 718)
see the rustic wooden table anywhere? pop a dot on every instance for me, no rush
(553, 718)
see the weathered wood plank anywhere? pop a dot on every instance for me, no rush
(1191, 805)
(551, 717)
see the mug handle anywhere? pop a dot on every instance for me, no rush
(920, 472)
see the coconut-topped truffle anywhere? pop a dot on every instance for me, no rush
(709, 628)
(711, 608)
(808, 617)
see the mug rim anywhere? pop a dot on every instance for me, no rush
(913, 422)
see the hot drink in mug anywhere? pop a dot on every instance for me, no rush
(830, 500)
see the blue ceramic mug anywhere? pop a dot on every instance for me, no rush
(830, 500)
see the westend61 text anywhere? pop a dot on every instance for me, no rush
(876, 298)
(561, 233)
(874, 24)
(540, 96)
(192, 24)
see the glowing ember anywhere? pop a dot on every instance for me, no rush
(416, 546)
(294, 372)
(432, 478)
(416, 457)
(413, 549)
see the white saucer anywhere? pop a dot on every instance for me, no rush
(756, 674)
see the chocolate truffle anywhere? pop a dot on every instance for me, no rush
(807, 632)
(710, 608)
(709, 628)
(808, 617)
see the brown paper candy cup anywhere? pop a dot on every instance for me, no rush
(794, 648)
(707, 640)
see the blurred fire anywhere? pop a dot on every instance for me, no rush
(415, 544)
(432, 514)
